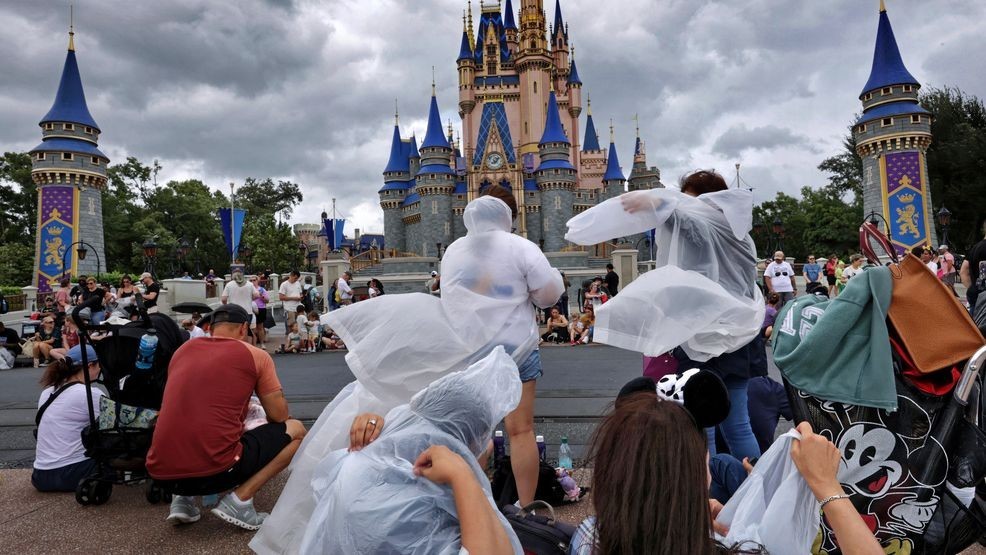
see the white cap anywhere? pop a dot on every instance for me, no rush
(434, 273)
(498, 433)
(539, 439)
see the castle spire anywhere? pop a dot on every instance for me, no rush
(469, 27)
(434, 137)
(591, 141)
(70, 100)
(508, 17)
(613, 171)
(559, 25)
(553, 130)
(71, 28)
(888, 67)
(397, 114)
(465, 48)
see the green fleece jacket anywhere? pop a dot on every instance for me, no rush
(839, 349)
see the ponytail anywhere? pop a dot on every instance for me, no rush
(58, 372)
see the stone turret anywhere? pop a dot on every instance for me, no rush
(556, 178)
(397, 182)
(435, 185)
(613, 180)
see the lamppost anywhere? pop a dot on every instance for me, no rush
(150, 255)
(774, 236)
(81, 252)
(778, 228)
(944, 219)
(247, 253)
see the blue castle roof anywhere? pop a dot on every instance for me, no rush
(70, 101)
(636, 147)
(530, 185)
(591, 141)
(69, 145)
(556, 165)
(436, 168)
(888, 67)
(573, 77)
(485, 20)
(892, 109)
(508, 16)
(553, 130)
(435, 137)
(460, 188)
(613, 171)
(412, 150)
(398, 156)
(559, 20)
(395, 186)
(465, 49)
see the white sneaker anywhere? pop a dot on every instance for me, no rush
(183, 511)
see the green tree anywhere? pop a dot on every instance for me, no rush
(264, 196)
(18, 200)
(274, 244)
(16, 263)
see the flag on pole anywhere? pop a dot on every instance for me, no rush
(334, 233)
(232, 223)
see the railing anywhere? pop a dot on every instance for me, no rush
(373, 257)
(16, 302)
(573, 248)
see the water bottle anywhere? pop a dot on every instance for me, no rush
(498, 448)
(565, 454)
(145, 353)
(541, 448)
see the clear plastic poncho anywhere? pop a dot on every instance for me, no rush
(370, 501)
(702, 295)
(398, 344)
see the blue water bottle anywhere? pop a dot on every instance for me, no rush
(541, 447)
(565, 454)
(145, 353)
(499, 450)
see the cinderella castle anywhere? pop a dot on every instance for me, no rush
(520, 98)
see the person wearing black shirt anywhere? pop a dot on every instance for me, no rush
(612, 280)
(78, 290)
(973, 271)
(9, 340)
(151, 291)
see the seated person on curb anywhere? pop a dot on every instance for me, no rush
(557, 327)
(60, 460)
(646, 440)
(9, 340)
(199, 446)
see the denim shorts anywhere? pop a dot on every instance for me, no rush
(530, 369)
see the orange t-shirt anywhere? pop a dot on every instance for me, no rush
(210, 381)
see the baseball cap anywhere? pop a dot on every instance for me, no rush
(434, 273)
(232, 313)
(145, 275)
(75, 355)
(942, 247)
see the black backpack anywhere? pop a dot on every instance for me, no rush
(541, 533)
(505, 487)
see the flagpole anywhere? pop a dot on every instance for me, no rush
(232, 226)
(332, 243)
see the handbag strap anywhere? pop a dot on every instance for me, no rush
(868, 231)
(537, 504)
(51, 399)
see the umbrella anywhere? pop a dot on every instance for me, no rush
(191, 306)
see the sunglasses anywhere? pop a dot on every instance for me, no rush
(779, 274)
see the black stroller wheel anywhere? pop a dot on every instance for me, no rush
(93, 492)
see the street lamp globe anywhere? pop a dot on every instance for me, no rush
(82, 252)
(150, 248)
(778, 226)
(944, 216)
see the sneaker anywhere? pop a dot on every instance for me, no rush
(244, 516)
(183, 511)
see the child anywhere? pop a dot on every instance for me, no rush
(294, 340)
(313, 329)
(839, 278)
(302, 322)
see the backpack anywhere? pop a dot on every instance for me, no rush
(504, 487)
(539, 534)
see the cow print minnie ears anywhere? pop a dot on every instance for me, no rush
(702, 393)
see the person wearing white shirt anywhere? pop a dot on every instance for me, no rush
(241, 292)
(779, 277)
(345, 292)
(290, 293)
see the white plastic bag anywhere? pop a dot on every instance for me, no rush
(774, 507)
(370, 501)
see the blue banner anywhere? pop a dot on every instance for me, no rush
(334, 234)
(232, 228)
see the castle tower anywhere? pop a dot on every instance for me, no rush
(642, 177)
(892, 137)
(510, 27)
(533, 65)
(592, 161)
(556, 178)
(435, 184)
(70, 173)
(397, 182)
(613, 180)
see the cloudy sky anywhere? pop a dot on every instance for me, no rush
(303, 89)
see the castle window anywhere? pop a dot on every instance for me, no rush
(867, 96)
(535, 87)
(89, 130)
(862, 128)
(67, 156)
(886, 90)
(915, 118)
(39, 156)
(530, 194)
(886, 122)
(491, 68)
(49, 126)
(525, 128)
(434, 207)
(908, 88)
(68, 126)
(95, 161)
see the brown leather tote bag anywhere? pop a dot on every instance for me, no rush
(935, 329)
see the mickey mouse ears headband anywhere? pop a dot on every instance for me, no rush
(700, 392)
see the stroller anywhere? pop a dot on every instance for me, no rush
(119, 448)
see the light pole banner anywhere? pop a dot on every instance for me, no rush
(57, 215)
(232, 223)
(905, 199)
(334, 234)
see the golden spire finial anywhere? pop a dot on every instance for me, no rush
(397, 114)
(573, 52)
(588, 102)
(883, 7)
(612, 136)
(472, 39)
(450, 127)
(432, 80)
(636, 120)
(71, 27)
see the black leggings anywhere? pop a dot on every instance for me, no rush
(562, 334)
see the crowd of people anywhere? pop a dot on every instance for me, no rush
(414, 431)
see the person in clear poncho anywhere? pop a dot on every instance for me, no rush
(702, 294)
(375, 500)
(490, 280)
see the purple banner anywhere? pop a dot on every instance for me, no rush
(906, 200)
(56, 232)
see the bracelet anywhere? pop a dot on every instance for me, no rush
(831, 498)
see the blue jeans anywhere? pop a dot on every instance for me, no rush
(530, 369)
(736, 429)
(727, 475)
